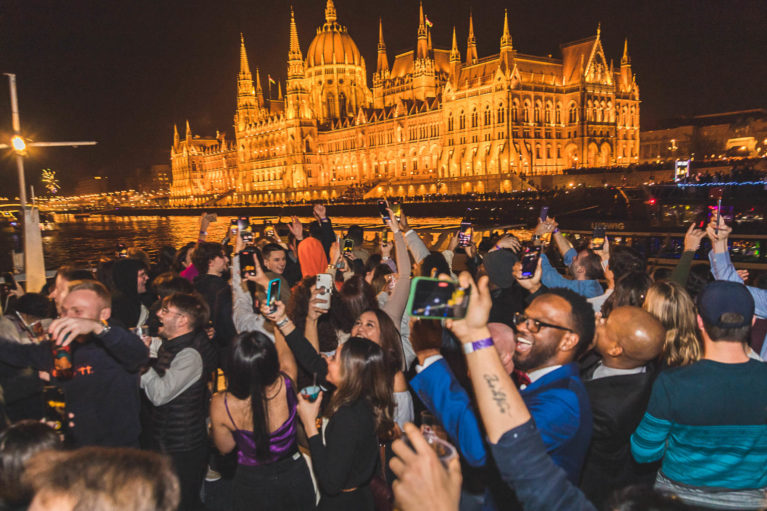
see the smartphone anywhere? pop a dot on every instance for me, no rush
(432, 298)
(382, 210)
(273, 294)
(55, 405)
(269, 231)
(243, 223)
(233, 229)
(544, 214)
(121, 250)
(530, 258)
(247, 262)
(325, 280)
(464, 234)
(598, 238)
(348, 246)
(247, 237)
(396, 208)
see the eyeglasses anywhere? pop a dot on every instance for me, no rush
(166, 310)
(534, 325)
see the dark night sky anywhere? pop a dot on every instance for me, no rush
(123, 73)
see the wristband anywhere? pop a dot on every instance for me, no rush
(203, 233)
(478, 345)
(497, 247)
(556, 230)
(283, 322)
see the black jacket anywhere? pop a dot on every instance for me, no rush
(126, 303)
(617, 405)
(217, 293)
(104, 392)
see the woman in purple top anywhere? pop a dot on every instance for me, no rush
(257, 415)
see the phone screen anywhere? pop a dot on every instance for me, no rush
(396, 207)
(233, 226)
(247, 237)
(544, 213)
(273, 293)
(247, 262)
(464, 234)
(434, 298)
(530, 261)
(243, 223)
(382, 205)
(598, 238)
(348, 245)
(726, 212)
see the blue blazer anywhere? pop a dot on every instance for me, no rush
(558, 403)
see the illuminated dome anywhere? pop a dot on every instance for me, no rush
(332, 43)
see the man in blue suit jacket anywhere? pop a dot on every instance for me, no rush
(556, 327)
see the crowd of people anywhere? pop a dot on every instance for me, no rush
(286, 367)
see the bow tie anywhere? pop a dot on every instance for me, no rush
(520, 377)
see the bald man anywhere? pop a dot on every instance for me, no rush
(619, 385)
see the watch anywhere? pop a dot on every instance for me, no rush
(478, 345)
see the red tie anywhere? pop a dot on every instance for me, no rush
(521, 377)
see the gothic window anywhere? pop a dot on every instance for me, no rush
(589, 111)
(462, 121)
(487, 116)
(526, 112)
(342, 104)
(558, 114)
(573, 114)
(548, 151)
(474, 118)
(450, 122)
(331, 105)
(547, 113)
(501, 114)
(538, 152)
(559, 151)
(515, 112)
(609, 112)
(537, 113)
(633, 118)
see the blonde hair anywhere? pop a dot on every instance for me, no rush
(671, 305)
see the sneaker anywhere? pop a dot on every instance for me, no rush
(212, 475)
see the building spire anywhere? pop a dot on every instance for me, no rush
(176, 138)
(330, 12)
(599, 29)
(188, 130)
(279, 90)
(422, 48)
(625, 60)
(383, 61)
(455, 55)
(506, 36)
(244, 67)
(471, 50)
(295, 49)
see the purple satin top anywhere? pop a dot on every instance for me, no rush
(282, 441)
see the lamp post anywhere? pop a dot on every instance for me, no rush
(34, 265)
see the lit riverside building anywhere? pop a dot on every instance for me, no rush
(433, 122)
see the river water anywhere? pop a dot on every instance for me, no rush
(83, 241)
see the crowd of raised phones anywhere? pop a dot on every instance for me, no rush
(315, 371)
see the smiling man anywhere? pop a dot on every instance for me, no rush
(554, 330)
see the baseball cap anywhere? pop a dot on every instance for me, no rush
(498, 265)
(722, 297)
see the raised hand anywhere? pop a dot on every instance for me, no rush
(296, 228)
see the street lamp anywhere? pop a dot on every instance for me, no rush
(18, 144)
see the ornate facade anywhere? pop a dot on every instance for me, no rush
(433, 122)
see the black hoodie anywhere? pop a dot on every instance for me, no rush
(126, 304)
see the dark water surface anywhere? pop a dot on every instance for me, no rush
(82, 241)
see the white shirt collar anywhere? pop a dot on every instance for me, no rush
(540, 373)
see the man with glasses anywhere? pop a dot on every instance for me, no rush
(176, 385)
(556, 327)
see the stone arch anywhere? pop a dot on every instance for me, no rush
(605, 155)
(592, 154)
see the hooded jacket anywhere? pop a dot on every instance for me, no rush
(126, 304)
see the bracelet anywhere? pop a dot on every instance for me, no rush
(203, 233)
(497, 247)
(478, 345)
(283, 322)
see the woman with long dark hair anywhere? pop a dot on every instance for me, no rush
(257, 416)
(345, 454)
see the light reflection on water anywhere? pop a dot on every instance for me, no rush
(84, 240)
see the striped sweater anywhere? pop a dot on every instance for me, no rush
(708, 423)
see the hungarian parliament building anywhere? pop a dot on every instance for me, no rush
(435, 121)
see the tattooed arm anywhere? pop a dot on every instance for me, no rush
(499, 401)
